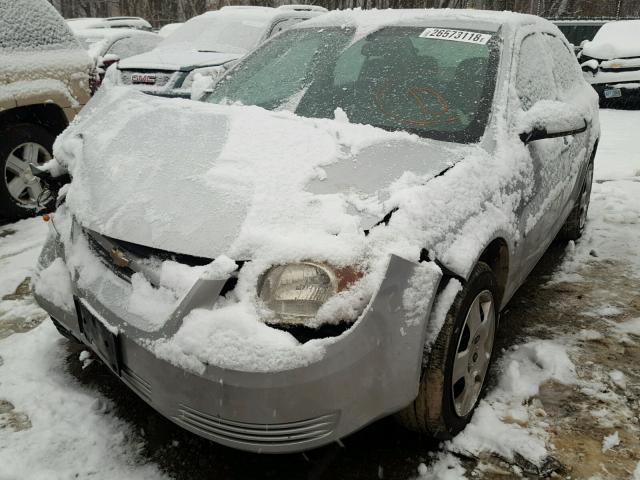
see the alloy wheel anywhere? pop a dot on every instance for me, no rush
(473, 353)
(21, 184)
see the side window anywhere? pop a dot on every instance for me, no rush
(534, 79)
(565, 64)
(283, 25)
(127, 47)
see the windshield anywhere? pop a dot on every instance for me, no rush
(218, 33)
(393, 78)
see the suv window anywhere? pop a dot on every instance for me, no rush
(534, 79)
(33, 25)
(284, 24)
(127, 47)
(565, 64)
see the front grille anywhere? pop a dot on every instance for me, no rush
(274, 434)
(619, 69)
(137, 252)
(146, 255)
(105, 257)
(162, 77)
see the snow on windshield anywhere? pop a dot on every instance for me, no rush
(226, 32)
(29, 25)
(615, 40)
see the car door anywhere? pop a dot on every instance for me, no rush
(570, 87)
(535, 82)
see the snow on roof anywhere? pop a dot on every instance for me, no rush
(77, 24)
(371, 19)
(265, 13)
(41, 29)
(109, 33)
(615, 40)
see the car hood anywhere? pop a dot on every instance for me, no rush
(205, 180)
(172, 59)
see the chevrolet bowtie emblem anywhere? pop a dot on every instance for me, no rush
(119, 259)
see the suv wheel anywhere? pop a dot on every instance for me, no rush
(22, 145)
(454, 378)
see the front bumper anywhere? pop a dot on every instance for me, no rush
(371, 371)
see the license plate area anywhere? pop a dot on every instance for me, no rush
(105, 343)
(612, 93)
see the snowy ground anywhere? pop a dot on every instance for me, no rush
(565, 399)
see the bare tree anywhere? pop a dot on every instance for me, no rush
(161, 12)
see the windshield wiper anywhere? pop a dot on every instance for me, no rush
(209, 51)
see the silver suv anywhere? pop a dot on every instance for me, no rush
(44, 81)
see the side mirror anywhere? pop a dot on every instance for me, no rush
(108, 60)
(550, 119)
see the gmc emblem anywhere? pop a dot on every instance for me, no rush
(147, 78)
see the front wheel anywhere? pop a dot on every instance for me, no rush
(455, 375)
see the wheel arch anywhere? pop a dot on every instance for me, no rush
(48, 115)
(496, 256)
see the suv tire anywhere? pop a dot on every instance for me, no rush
(23, 143)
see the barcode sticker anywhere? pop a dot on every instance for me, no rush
(456, 35)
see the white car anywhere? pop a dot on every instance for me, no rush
(168, 29)
(205, 45)
(611, 62)
(111, 22)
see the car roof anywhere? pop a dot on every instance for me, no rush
(267, 13)
(463, 18)
(117, 22)
(111, 32)
(579, 22)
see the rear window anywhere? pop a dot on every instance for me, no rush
(33, 25)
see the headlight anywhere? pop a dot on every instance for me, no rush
(207, 73)
(295, 292)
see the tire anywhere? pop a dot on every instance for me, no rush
(437, 410)
(14, 140)
(575, 222)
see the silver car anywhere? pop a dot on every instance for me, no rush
(354, 204)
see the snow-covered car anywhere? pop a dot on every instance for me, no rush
(611, 62)
(118, 43)
(205, 45)
(77, 24)
(168, 29)
(354, 204)
(45, 79)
